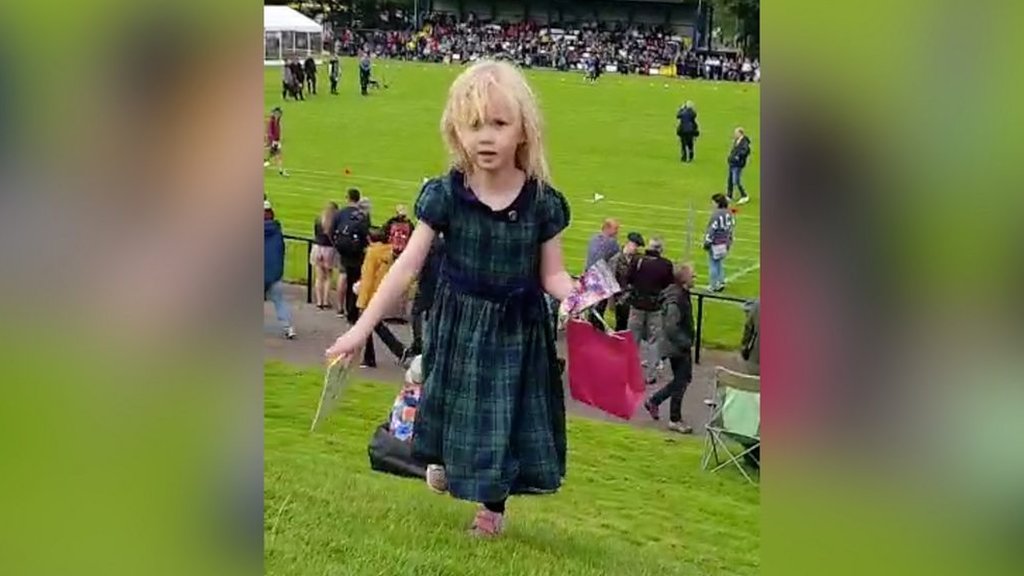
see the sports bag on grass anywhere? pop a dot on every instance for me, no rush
(393, 456)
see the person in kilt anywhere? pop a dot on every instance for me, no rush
(491, 422)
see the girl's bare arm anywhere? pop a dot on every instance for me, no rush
(555, 280)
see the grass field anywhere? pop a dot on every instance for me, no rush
(616, 138)
(634, 502)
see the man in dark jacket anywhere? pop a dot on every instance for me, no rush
(273, 268)
(334, 73)
(298, 79)
(676, 343)
(687, 130)
(737, 161)
(309, 67)
(364, 72)
(651, 275)
(750, 346)
(621, 264)
(350, 232)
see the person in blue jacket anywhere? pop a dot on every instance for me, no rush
(273, 269)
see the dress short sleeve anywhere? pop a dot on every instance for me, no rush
(434, 204)
(554, 214)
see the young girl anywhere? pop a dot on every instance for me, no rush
(323, 257)
(718, 240)
(492, 418)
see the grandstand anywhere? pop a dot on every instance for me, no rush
(680, 18)
(624, 36)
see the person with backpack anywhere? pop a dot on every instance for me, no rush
(398, 229)
(350, 235)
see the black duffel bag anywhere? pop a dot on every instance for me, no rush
(391, 455)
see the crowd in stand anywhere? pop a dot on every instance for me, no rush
(633, 49)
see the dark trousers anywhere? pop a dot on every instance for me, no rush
(334, 85)
(735, 172)
(311, 84)
(682, 373)
(621, 317)
(352, 275)
(364, 81)
(393, 344)
(686, 147)
(417, 333)
(597, 314)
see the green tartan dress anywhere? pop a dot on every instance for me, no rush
(493, 407)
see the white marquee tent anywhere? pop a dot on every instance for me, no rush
(287, 33)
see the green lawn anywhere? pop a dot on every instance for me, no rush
(634, 502)
(616, 138)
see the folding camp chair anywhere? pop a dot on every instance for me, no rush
(735, 416)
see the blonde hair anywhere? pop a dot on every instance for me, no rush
(467, 104)
(327, 217)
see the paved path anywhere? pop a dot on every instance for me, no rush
(318, 329)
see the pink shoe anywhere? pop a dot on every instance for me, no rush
(487, 524)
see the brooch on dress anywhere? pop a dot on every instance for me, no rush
(512, 216)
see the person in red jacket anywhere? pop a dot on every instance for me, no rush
(274, 141)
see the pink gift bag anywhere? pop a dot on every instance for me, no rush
(604, 369)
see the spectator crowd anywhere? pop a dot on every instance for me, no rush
(626, 49)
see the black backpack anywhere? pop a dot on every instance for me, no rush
(348, 237)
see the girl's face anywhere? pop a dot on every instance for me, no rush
(492, 141)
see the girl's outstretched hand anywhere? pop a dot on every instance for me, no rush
(345, 346)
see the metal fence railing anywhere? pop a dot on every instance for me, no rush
(700, 295)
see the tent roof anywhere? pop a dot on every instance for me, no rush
(285, 18)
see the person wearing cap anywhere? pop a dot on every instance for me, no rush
(647, 280)
(621, 264)
(273, 268)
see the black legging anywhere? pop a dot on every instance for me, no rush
(353, 273)
(682, 374)
(389, 339)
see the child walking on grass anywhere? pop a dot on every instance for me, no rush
(491, 422)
